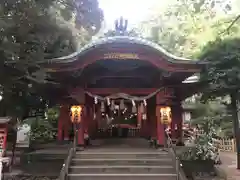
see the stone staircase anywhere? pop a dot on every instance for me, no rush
(122, 162)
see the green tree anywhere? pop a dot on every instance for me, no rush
(33, 31)
(214, 113)
(222, 76)
(183, 27)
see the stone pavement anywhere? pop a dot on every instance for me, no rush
(229, 164)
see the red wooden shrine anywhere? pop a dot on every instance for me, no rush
(123, 64)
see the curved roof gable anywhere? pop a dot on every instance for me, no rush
(120, 39)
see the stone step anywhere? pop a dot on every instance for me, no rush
(122, 169)
(121, 176)
(122, 161)
(131, 155)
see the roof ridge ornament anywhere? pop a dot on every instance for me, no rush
(121, 26)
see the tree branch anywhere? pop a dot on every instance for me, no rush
(231, 25)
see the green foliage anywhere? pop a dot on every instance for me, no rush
(204, 149)
(222, 74)
(44, 130)
(213, 112)
(33, 31)
(183, 27)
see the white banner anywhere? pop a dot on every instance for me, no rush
(23, 135)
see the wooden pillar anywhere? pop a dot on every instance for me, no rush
(160, 128)
(180, 123)
(81, 99)
(174, 122)
(144, 122)
(64, 123)
(139, 116)
(177, 122)
(80, 128)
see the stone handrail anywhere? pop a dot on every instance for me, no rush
(178, 165)
(65, 168)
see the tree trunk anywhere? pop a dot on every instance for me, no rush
(234, 106)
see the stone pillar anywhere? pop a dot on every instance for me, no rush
(64, 123)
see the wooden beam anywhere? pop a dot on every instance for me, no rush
(144, 78)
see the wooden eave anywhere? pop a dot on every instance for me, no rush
(96, 49)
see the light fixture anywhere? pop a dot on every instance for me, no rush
(165, 113)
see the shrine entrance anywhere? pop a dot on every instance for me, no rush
(121, 87)
(119, 120)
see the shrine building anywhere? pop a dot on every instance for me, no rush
(122, 82)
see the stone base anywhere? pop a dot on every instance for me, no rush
(160, 146)
(80, 147)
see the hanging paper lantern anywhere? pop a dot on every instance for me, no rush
(165, 113)
(102, 107)
(122, 106)
(76, 114)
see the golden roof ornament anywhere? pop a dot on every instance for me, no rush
(121, 26)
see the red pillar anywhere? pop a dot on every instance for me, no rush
(4, 146)
(139, 116)
(160, 128)
(174, 122)
(64, 123)
(81, 128)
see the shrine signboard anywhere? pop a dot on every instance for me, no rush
(121, 56)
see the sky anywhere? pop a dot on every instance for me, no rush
(133, 10)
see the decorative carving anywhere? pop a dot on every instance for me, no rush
(121, 26)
